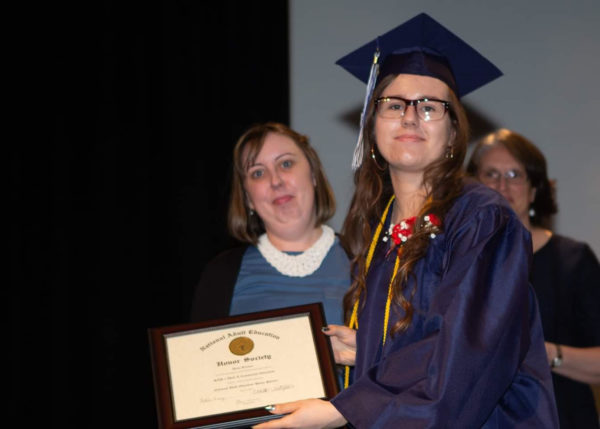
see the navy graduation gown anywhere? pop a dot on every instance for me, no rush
(473, 355)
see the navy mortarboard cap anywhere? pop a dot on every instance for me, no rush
(420, 46)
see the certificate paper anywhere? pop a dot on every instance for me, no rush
(239, 367)
(223, 370)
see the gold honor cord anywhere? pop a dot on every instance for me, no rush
(354, 317)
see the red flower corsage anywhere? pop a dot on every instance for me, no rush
(433, 223)
(403, 230)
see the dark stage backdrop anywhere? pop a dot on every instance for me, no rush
(120, 198)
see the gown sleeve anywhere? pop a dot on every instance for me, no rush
(473, 360)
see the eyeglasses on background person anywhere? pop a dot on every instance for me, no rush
(492, 177)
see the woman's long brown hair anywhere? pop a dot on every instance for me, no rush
(443, 181)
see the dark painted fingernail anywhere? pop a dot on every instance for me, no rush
(325, 328)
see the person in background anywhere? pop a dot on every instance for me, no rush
(444, 326)
(279, 203)
(565, 273)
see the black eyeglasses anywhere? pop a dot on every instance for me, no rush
(428, 109)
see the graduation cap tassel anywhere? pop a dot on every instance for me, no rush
(359, 149)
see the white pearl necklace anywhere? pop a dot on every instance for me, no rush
(300, 265)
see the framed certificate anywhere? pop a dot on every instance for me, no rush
(222, 373)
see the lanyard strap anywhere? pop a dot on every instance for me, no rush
(354, 317)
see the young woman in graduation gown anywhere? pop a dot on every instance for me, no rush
(445, 326)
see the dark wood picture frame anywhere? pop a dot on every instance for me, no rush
(247, 417)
